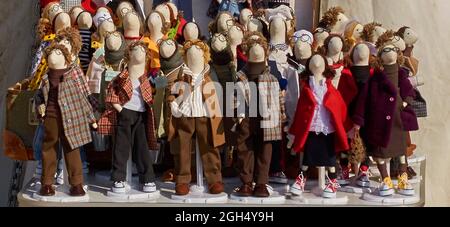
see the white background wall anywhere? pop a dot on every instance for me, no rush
(430, 19)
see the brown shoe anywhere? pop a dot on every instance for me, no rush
(168, 176)
(216, 188)
(261, 191)
(77, 190)
(182, 189)
(245, 190)
(411, 173)
(47, 190)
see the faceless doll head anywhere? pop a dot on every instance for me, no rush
(222, 23)
(137, 53)
(193, 49)
(317, 65)
(408, 35)
(58, 57)
(155, 22)
(334, 19)
(71, 39)
(256, 48)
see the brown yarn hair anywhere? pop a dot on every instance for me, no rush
(165, 24)
(329, 73)
(330, 17)
(199, 43)
(73, 36)
(130, 48)
(384, 40)
(44, 28)
(367, 33)
(324, 49)
(46, 10)
(249, 42)
(62, 48)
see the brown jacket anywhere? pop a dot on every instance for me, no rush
(216, 121)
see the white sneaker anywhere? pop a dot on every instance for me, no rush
(119, 187)
(278, 178)
(330, 189)
(344, 176)
(299, 185)
(386, 188)
(149, 187)
(59, 177)
(363, 178)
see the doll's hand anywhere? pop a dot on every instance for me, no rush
(94, 126)
(41, 110)
(405, 104)
(356, 127)
(118, 107)
(233, 129)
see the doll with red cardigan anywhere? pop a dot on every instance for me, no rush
(319, 125)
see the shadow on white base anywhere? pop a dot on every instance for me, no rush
(201, 198)
(274, 198)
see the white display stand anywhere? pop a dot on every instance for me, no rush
(133, 191)
(395, 199)
(274, 198)
(197, 192)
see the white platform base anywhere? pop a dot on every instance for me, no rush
(274, 198)
(61, 196)
(395, 199)
(201, 198)
(354, 189)
(133, 195)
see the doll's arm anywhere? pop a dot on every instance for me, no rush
(406, 89)
(360, 108)
(85, 90)
(111, 96)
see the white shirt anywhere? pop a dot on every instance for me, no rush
(321, 122)
(136, 102)
(193, 105)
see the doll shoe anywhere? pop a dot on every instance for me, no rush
(299, 185)
(404, 187)
(77, 190)
(330, 189)
(363, 177)
(119, 187)
(182, 189)
(149, 187)
(261, 191)
(245, 190)
(47, 190)
(386, 188)
(59, 177)
(344, 177)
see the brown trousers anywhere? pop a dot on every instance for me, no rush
(200, 127)
(249, 145)
(54, 133)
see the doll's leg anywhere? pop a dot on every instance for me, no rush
(49, 149)
(403, 164)
(175, 151)
(245, 148)
(332, 173)
(210, 154)
(263, 162)
(382, 167)
(186, 129)
(144, 162)
(73, 163)
(122, 146)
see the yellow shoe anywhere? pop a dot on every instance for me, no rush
(404, 187)
(386, 188)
